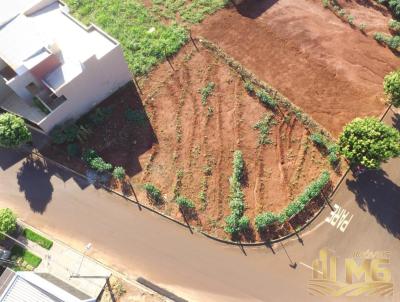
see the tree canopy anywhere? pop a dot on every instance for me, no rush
(13, 131)
(369, 142)
(391, 86)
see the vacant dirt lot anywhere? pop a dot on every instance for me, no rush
(329, 69)
(199, 139)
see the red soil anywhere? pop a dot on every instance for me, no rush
(330, 70)
(189, 140)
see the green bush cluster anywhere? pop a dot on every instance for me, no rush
(264, 126)
(394, 26)
(25, 256)
(153, 193)
(369, 142)
(391, 86)
(73, 150)
(393, 42)
(69, 133)
(266, 99)
(119, 173)
(236, 222)
(13, 131)
(206, 92)
(95, 161)
(184, 203)
(8, 222)
(313, 190)
(100, 115)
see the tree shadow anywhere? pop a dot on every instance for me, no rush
(34, 180)
(254, 8)
(373, 5)
(378, 195)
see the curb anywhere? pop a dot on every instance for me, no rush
(120, 275)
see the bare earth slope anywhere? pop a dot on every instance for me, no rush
(332, 71)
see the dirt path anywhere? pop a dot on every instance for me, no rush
(332, 71)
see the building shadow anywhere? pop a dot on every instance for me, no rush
(254, 8)
(380, 196)
(9, 157)
(127, 133)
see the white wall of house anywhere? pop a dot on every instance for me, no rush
(19, 83)
(2, 64)
(5, 91)
(99, 79)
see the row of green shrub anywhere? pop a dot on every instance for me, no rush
(393, 42)
(330, 148)
(154, 194)
(313, 190)
(96, 162)
(236, 221)
(39, 239)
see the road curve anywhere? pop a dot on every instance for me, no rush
(140, 243)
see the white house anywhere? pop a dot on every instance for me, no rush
(53, 68)
(30, 287)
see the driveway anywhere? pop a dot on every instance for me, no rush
(140, 243)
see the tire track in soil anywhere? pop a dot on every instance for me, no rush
(299, 162)
(281, 156)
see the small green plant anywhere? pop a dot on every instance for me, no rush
(266, 99)
(96, 162)
(119, 173)
(39, 239)
(264, 127)
(265, 219)
(342, 12)
(153, 193)
(325, 3)
(318, 139)
(249, 87)
(8, 222)
(184, 203)
(362, 27)
(350, 19)
(100, 115)
(238, 166)
(206, 92)
(38, 104)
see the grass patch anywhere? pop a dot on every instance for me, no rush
(35, 237)
(24, 258)
(145, 40)
(190, 11)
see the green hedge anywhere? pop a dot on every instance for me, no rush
(35, 237)
(313, 190)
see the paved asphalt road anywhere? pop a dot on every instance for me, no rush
(141, 243)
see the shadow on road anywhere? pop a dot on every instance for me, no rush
(254, 8)
(34, 179)
(378, 195)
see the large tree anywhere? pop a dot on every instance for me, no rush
(8, 222)
(13, 131)
(369, 142)
(391, 86)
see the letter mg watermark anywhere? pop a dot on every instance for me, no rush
(365, 274)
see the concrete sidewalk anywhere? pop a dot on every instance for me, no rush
(70, 266)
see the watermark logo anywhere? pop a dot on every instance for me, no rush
(365, 274)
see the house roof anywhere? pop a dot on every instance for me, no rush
(33, 27)
(29, 287)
